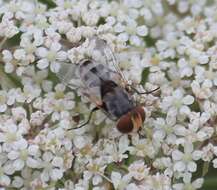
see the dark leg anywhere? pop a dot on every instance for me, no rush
(90, 115)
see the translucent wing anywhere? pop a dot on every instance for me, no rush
(88, 73)
(69, 75)
(103, 53)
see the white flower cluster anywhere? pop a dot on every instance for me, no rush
(170, 44)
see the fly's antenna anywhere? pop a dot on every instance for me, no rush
(88, 120)
(149, 92)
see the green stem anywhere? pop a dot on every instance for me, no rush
(2, 42)
(210, 182)
(5, 82)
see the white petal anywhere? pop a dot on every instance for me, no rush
(41, 52)
(33, 149)
(56, 174)
(7, 56)
(159, 135)
(178, 186)
(9, 169)
(61, 55)
(178, 94)
(21, 144)
(47, 156)
(203, 59)
(55, 46)
(179, 166)
(188, 100)
(186, 71)
(161, 45)
(17, 182)
(96, 180)
(19, 54)
(192, 166)
(171, 139)
(135, 40)
(57, 161)
(4, 181)
(13, 155)
(118, 28)
(202, 136)
(55, 67)
(142, 30)
(45, 176)
(197, 154)
(215, 81)
(9, 68)
(38, 39)
(42, 63)
(198, 183)
(185, 110)
(18, 164)
(12, 128)
(32, 163)
(123, 37)
(177, 155)
(180, 130)
(214, 163)
(3, 108)
(115, 177)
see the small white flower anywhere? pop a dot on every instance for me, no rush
(7, 58)
(142, 147)
(202, 91)
(19, 113)
(184, 162)
(4, 178)
(31, 92)
(208, 152)
(52, 56)
(17, 182)
(167, 131)
(8, 28)
(196, 184)
(177, 103)
(120, 182)
(138, 170)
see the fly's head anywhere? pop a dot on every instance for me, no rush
(131, 121)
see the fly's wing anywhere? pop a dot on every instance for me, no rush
(69, 74)
(102, 53)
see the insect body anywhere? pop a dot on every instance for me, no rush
(106, 87)
(115, 101)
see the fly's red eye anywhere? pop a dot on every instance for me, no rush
(131, 121)
(125, 124)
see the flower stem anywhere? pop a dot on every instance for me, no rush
(2, 42)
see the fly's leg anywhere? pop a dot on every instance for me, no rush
(88, 120)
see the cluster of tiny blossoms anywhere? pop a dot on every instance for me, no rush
(169, 44)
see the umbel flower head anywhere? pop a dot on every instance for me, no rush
(168, 44)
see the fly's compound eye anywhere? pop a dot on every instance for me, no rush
(125, 124)
(131, 121)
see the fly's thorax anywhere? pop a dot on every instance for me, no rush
(117, 101)
(131, 121)
(93, 72)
